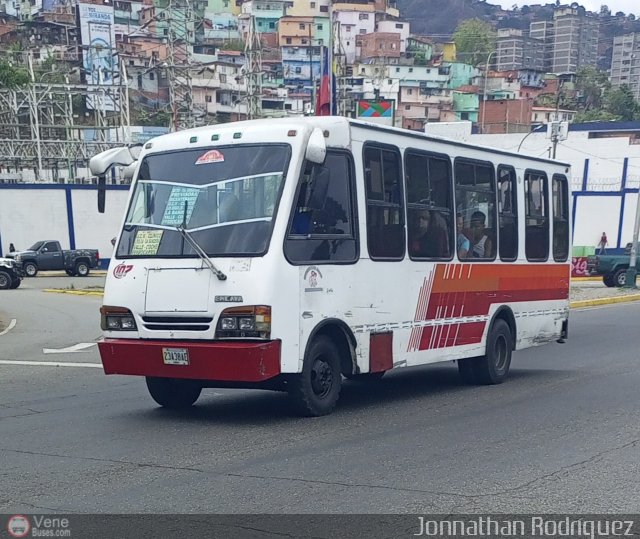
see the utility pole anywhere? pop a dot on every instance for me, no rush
(253, 56)
(180, 35)
(630, 277)
(35, 117)
(555, 128)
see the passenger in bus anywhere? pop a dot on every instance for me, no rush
(430, 235)
(463, 245)
(482, 246)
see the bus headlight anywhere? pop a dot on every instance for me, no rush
(250, 322)
(117, 319)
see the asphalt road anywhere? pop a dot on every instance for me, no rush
(562, 435)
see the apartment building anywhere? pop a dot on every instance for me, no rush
(625, 64)
(571, 39)
(516, 50)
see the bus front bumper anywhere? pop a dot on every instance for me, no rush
(215, 361)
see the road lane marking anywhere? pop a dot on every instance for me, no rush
(49, 363)
(11, 325)
(69, 349)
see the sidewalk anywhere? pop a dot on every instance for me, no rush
(589, 292)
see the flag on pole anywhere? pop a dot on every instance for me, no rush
(323, 102)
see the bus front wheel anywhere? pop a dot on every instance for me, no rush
(172, 393)
(493, 367)
(315, 391)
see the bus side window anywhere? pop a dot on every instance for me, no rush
(429, 205)
(560, 218)
(508, 213)
(322, 225)
(536, 216)
(385, 212)
(476, 208)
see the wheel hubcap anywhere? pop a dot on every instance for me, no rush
(501, 352)
(321, 377)
(30, 270)
(4, 281)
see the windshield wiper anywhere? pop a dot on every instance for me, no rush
(200, 252)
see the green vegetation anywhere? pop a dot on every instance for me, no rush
(475, 40)
(12, 77)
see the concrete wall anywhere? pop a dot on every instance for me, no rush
(67, 213)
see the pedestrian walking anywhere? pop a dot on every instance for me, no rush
(603, 243)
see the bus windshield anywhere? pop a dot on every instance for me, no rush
(225, 198)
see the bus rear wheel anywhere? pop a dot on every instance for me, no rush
(172, 393)
(493, 367)
(315, 391)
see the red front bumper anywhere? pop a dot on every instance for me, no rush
(218, 361)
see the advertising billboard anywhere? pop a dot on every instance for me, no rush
(98, 38)
(381, 111)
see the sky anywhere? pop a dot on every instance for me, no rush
(628, 6)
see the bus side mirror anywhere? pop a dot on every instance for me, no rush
(102, 183)
(316, 147)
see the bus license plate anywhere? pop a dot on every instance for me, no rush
(175, 356)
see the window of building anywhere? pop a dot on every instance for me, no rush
(323, 225)
(302, 26)
(560, 218)
(363, 31)
(208, 98)
(385, 211)
(319, 26)
(152, 76)
(288, 40)
(536, 216)
(476, 208)
(223, 77)
(429, 205)
(324, 9)
(399, 26)
(507, 213)
(363, 16)
(313, 5)
(298, 70)
(410, 91)
(272, 25)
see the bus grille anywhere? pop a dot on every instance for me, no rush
(172, 323)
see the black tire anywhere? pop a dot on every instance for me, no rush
(70, 273)
(30, 269)
(315, 391)
(173, 393)
(15, 284)
(5, 280)
(493, 367)
(82, 268)
(620, 278)
(608, 280)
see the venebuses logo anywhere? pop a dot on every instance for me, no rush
(18, 526)
(121, 270)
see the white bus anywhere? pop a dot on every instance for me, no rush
(288, 254)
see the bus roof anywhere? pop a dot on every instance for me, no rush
(327, 122)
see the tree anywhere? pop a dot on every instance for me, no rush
(605, 11)
(12, 77)
(592, 85)
(474, 39)
(622, 104)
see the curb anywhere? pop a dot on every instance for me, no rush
(586, 279)
(74, 292)
(604, 301)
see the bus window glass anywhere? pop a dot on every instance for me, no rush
(536, 216)
(508, 213)
(225, 198)
(322, 226)
(475, 210)
(560, 218)
(385, 222)
(429, 206)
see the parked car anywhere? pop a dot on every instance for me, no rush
(48, 255)
(10, 274)
(613, 268)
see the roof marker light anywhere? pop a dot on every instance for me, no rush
(215, 137)
(326, 134)
(237, 135)
(292, 133)
(193, 139)
(148, 145)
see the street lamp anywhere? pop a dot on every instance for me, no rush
(484, 95)
(534, 130)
